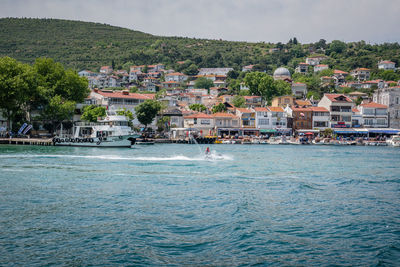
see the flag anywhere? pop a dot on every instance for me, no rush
(28, 128)
(22, 128)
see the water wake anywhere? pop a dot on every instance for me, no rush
(211, 157)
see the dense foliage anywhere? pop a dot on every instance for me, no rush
(45, 88)
(198, 107)
(147, 111)
(82, 45)
(92, 112)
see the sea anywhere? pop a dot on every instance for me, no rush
(170, 205)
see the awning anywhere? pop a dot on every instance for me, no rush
(307, 131)
(384, 131)
(267, 131)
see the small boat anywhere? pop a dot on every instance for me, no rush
(394, 141)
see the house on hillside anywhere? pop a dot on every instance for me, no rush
(340, 108)
(387, 65)
(361, 74)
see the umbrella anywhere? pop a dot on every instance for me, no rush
(309, 133)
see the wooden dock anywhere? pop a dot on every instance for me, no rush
(27, 141)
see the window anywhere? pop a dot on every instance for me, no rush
(346, 118)
(195, 121)
(335, 118)
(335, 108)
(320, 124)
(368, 111)
(263, 121)
(345, 109)
(205, 122)
(381, 121)
(368, 121)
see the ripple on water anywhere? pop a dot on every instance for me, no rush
(166, 205)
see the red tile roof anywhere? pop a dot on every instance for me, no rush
(301, 109)
(333, 97)
(261, 109)
(199, 116)
(244, 110)
(387, 62)
(175, 74)
(355, 110)
(319, 109)
(340, 72)
(120, 94)
(373, 105)
(223, 114)
(276, 109)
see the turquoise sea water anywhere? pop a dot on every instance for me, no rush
(168, 205)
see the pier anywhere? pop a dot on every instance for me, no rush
(27, 141)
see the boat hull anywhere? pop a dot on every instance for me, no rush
(123, 141)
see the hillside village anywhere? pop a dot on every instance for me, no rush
(352, 111)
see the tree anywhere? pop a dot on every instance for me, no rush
(147, 111)
(337, 46)
(125, 112)
(17, 88)
(239, 101)
(92, 112)
(282, 88)
(203, 82)
(58, 86)
(56, 111)
(198, 107)
(191, 70)
(219, 108)
(162, 123)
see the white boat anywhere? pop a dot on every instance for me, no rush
(113, 131)
(394, 141)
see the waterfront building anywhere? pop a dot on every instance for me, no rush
(361, 74)
(247, 117)
(282, 74)
(204, 123)
(391, 98)
(387, 65)
(302, 68)
(270, 118)
(320, 118)
(225, 120)
(299, 89)
(339, 107)
(374, 115)
(356, 118)
(175, 116)
(302, 118)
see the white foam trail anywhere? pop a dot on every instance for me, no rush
(115, 157)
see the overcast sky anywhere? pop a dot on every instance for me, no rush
(374, 21)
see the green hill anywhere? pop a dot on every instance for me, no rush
(89, 45)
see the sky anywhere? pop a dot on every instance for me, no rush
(374, 21)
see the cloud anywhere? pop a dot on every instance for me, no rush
(240, 20)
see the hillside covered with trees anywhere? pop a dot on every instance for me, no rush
(84, 45)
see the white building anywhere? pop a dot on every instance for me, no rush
(302, 68)
(320, 67)
(106, 69)
(320, 118)
(225, 120)
(204, 123)
(374, 115)
(315, 60)
(387, 65)
(391, 98)
(340, 108)
(270, 118)
(176, 77)
(214, 71)
(361, 74)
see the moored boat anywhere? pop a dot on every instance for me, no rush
(113, 131)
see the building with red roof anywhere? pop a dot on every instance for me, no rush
(339, 107)
(374, 115)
